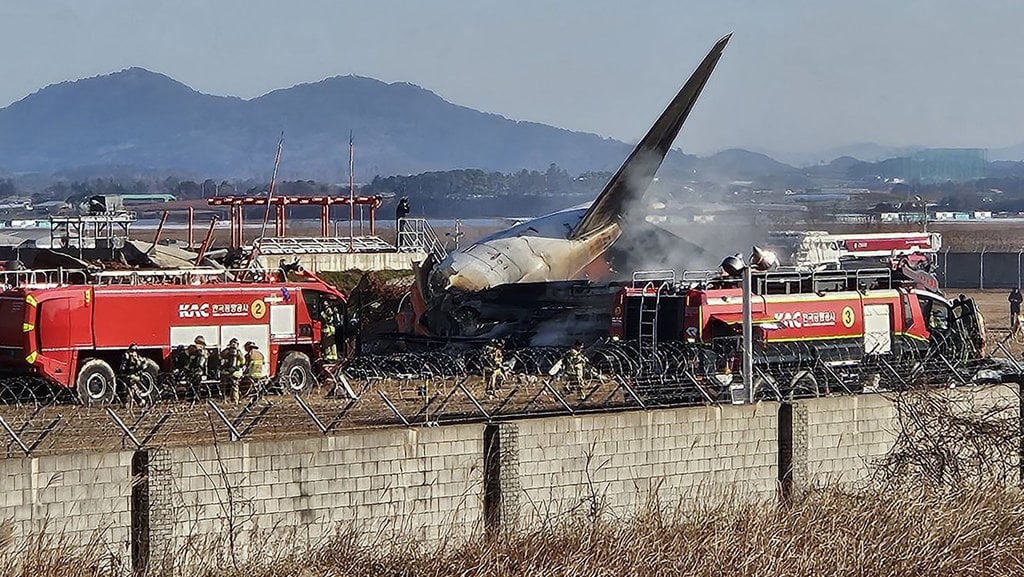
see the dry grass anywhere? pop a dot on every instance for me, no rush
(825, 533)
(47, 555)
(910, 531)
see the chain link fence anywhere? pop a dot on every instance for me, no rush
(981, 270)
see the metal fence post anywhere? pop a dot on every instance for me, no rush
(981, 269)
(945, 269)
(1019, 254)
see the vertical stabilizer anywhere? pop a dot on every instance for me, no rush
(635, 175)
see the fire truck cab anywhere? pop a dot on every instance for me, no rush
(75, 335)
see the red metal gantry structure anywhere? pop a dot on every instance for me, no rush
(237, 206)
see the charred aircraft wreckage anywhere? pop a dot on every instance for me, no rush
(535, 281)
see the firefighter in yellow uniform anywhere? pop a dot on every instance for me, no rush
(328, 330)
(493, 365)
(576, 367)
(232, 365)
(255, 378)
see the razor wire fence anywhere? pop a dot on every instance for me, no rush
(449, 386)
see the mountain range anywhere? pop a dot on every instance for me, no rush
(143, 119)
(143, 122)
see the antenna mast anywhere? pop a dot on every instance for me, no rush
(273, 184)
(351, 193)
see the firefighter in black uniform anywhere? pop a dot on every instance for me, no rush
(132, 370)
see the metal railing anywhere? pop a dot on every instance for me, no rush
(35, 277)
(644, 277)
(188, 276)
(321, 245)
(182, 276)
(416, 235)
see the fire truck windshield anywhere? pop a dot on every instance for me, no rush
(935, 312)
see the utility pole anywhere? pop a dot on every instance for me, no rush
(924, 217)
(748, 337)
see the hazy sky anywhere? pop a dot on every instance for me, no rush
(797, 76)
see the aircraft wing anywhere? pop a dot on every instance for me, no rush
(635, 175)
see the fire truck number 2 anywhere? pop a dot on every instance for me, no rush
(258, 309)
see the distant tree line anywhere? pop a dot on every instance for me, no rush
(473, 192)
(452, 193)
(1003, 194)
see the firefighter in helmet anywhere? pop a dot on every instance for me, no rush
(328, 330)
(232, 365)
(199, 357)
(493, 365)
(255, 378)
(576, 367)
(131, 370)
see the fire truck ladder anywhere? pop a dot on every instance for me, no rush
(647, 335)
(650, 304)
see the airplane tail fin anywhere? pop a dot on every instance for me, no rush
(635, 175)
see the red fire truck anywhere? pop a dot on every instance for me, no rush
(806, 324)
(75, 335)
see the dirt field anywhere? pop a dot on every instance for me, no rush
(996, 310)
(993, 305)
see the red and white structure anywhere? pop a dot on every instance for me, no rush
(237, 205)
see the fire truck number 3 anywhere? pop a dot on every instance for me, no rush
(848, 317)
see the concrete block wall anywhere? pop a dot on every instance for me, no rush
(1003, 395)
(73, 499)
(836, 440)
(619, 462)
(419, 483)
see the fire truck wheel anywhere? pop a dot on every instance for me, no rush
(150, 380)
(295, 375)
(95, 382)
